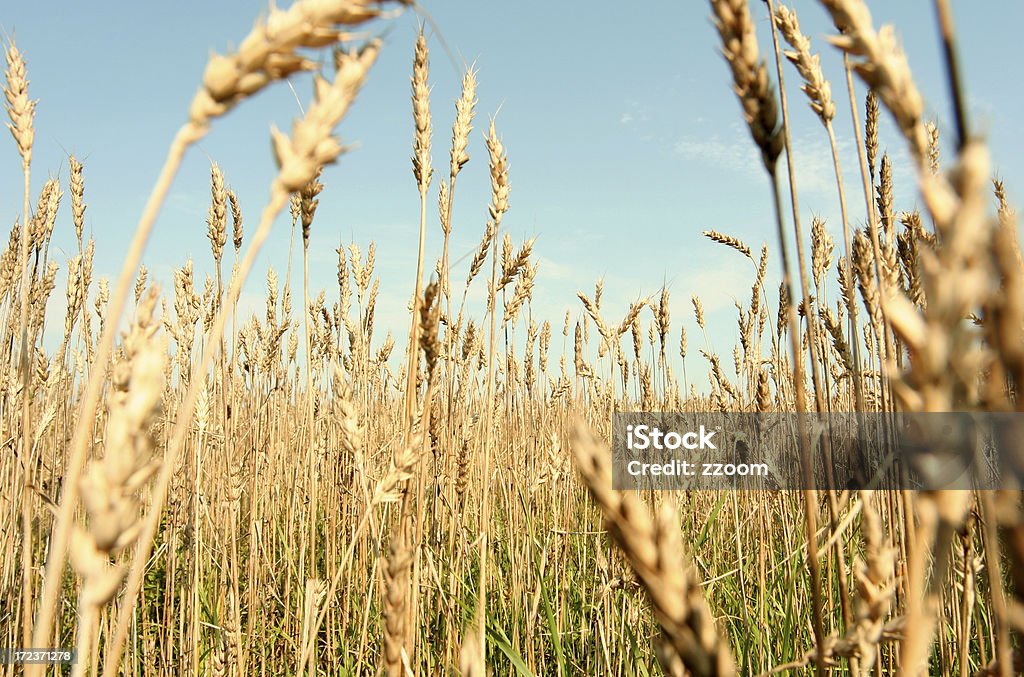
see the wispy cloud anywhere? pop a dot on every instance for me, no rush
(734, 153)
(981, 107)
(719, 277)
(188, 203)
(635, 112)
(812, 155)
(552, 270)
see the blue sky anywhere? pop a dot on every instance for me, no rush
(624, 138)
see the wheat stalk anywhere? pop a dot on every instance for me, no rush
(655, 555)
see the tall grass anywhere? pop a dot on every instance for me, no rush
(284, 493)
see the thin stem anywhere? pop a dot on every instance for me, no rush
(414, 330)
(26, 451)
(278, 200)
(485, 510)
(197, 551)
(945, 18)
(812, 325)
(310, 455)
(851, 307)
(810, 496)
(414, 361)
(884, 357)
(990, 542)
(83, 435)
(813, 346)
(307, 645)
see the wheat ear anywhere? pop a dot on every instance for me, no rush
(111, 485)
(299, 156)
(265, 55)
(655, 554)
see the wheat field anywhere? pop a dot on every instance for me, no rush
(191, 489)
